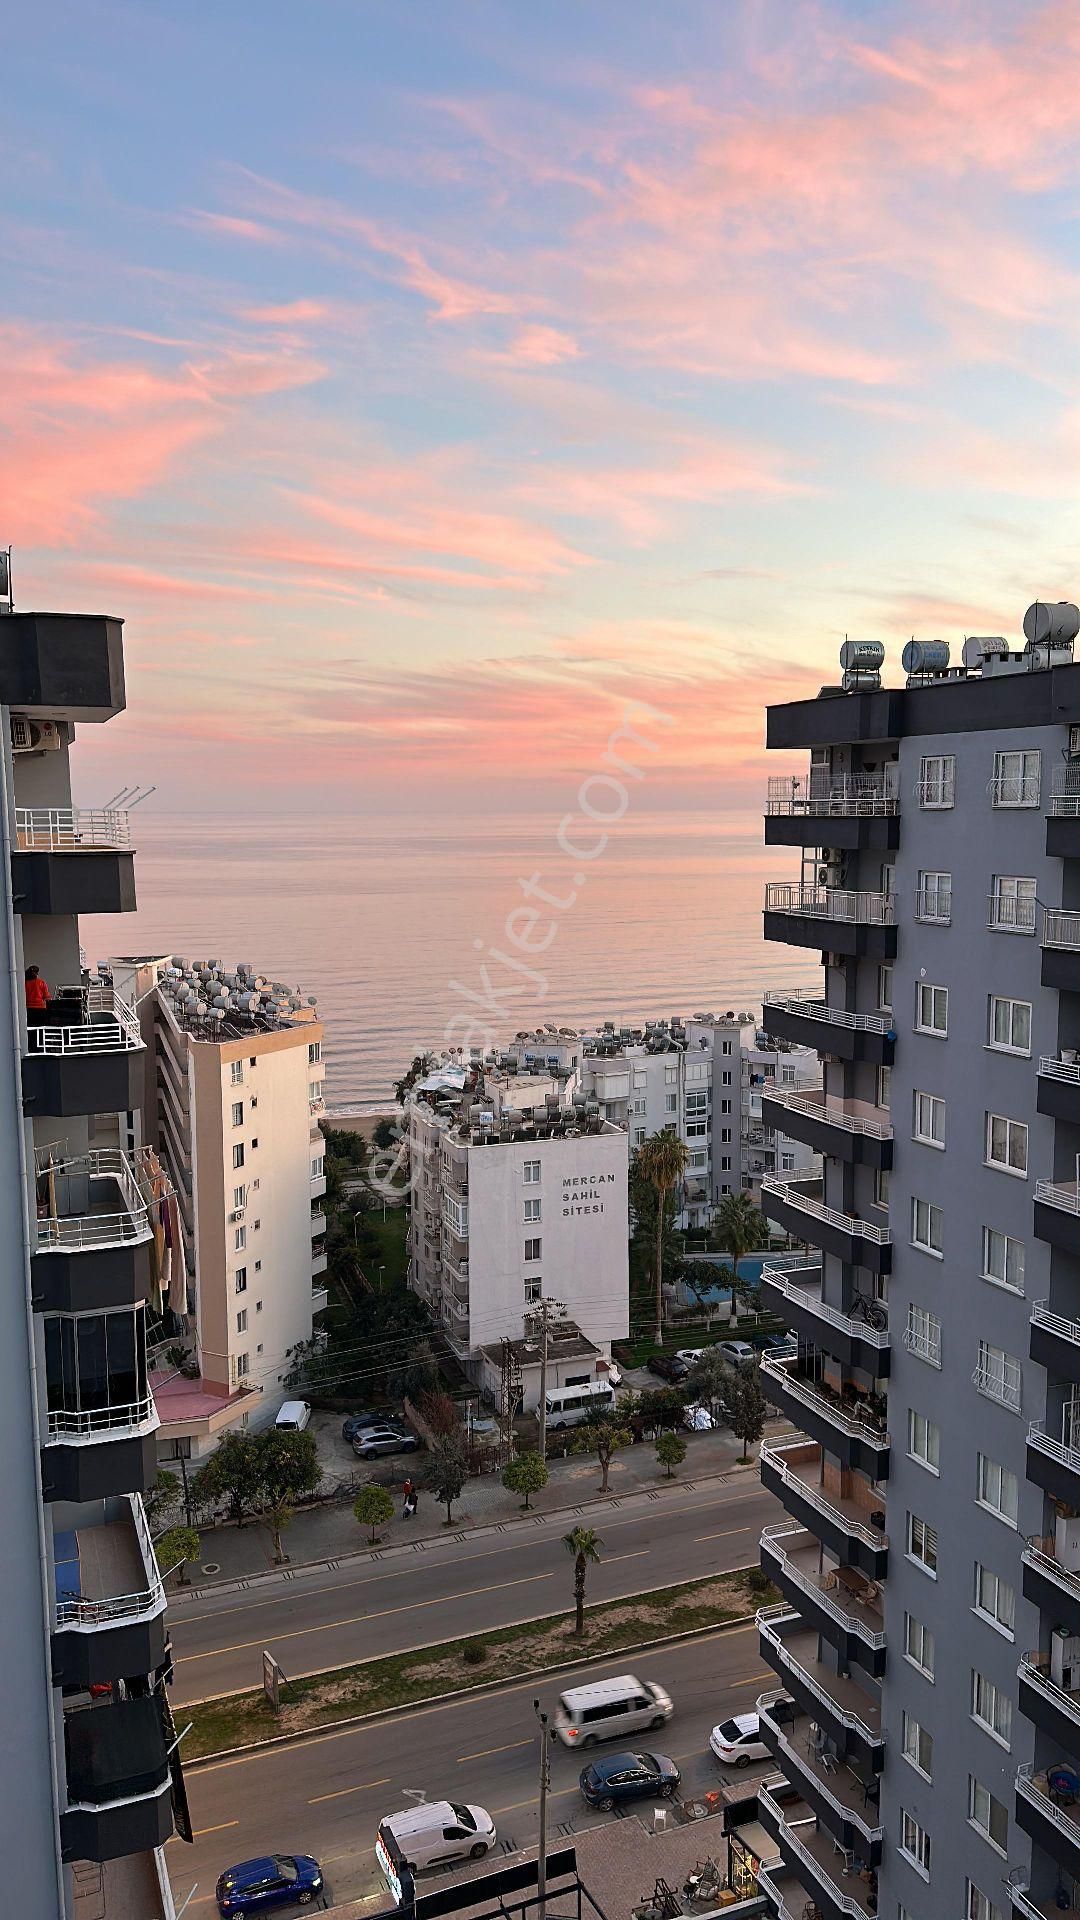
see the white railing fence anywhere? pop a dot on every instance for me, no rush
(71, 829)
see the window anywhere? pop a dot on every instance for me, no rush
(95, 1365)
(1010, 1025)
(238, 1154)
(240, 1280)
(937, 780)
(318, 1165)
(532, 1249)
(533, 1289)
(315, 1088)
(699, 1102)
(929, 1125)
(241, 1320)
(884, 989)
(918, 1746)
(239, 1197)
(239, 1239)
(258, 1269)
(236, 1073)
(926, 1225)
(314, 1052)
(996, 1489)
(931, 1008)
(243, 1366)
(671, 1076)
(933, 900)
(884, 1086)
(238, 1113)
(924, 1440)
(979, 1907)
(998, 1376)
(1006, 1144)
(1003, 1259)
(639, 1136)
(532, 1209)
(671, 1103)
(530, 1173)
(1011, 906)
(699, 1158)
(254, 1143)
(881, 1187)
(922, 1335)
(914, 1842)
(919, 1645)
(995, 1599)
(253, 1062)
(991, 1707)
(1017, 779)
(922, 1544)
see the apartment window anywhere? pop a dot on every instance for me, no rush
(236, 1073)
(924, 1440)
(671, 1103)
(1017, 779)
(699, 1102)
(532, 1249)
(533, 1289)
(239, 1197)
(315, 1088)
(531, 1173)
(318, 1165)
(998, 1377)
(699, 1157)
(922, 1544)
(639, 1136)
(1006, 1144)
(239, 1239)
(241, 1320)
(532, 1209)
(988, 1814)
(253, 1062)
(95, 1362)
(238, 1154)
(1010, 1025)
(314, 1052)
(725, 1079)
(258, 1269)
(995, 1599)
(240, 1280)
(914, 1843)
(787, 1163)
(979, 1907)
(881, 1187)
(884, 989)
(996, 1489)
(918, 1746)
(725, 1106)
(725, 1133)
(1011, 906)
(933, 899)
(254, 1143)
(919, 1645)
(931, 1008)
(243, 1366)
(1003, 1260)
(937, 780)
(922, 1336)
(926, 1226)
(929, 1124)
(991, 1707)
(884, 1086)
(725, 1163)
(238, 1113)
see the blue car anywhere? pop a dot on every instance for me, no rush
(628, 1776)
(275, 1880)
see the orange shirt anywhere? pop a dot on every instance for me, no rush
(37, 994)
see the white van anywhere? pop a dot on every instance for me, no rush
(432, 1833)
(568, 1406)
(293, 1416)
(610, 1709)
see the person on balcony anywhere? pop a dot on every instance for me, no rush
(38, 998)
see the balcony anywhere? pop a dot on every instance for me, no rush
(318, 1222)
(1063, 813)
(1019, 1885)
(851, 1130)
(845, 1803)
(64, 664)
(1055, 1342)
(109, 1611)
(1050, 1583)
(794, 1293)
(838, 1601)
(1059, 1088)
(317, 1186)
(862, 812)
(72, 860)
(1054, 1464)
(849, 1428)
(792, 1469)
(86, 1059)
(320, 1299)
(1061, 949)
(850, 1716)
(134, 1886)
(815, 1858)
(1048, 1703)
(98, 1200)
(831, 918)
(118, 1779)
(1052, 1826)
(809, 1021)
(72, 829)
(1057, 1213)
(795, 1203)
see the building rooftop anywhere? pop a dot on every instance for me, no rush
(567, 1342)
(213, 1001)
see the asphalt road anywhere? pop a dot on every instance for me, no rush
(327, 1795)
(325, 1617)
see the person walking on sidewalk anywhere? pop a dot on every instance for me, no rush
(407, 1493)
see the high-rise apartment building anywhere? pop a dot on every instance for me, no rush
(234, 1092)
(766, 1148)
(89, 1767)
(928, 1648)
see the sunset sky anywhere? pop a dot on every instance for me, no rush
(426, 383)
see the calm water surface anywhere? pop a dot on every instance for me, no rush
(378, 916)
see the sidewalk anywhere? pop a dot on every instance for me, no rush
(331, 1533)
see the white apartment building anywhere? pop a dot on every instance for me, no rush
(770, 1065)
(234, 1094)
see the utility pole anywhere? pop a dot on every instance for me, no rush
(510, 1394)
(545, 1783)
(541, 1317)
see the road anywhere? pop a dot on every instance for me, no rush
(325, 1616)
(327, 1795)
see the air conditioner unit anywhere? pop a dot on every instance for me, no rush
(34, 736)
(238, 1215)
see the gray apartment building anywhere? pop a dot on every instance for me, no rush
(926, 1719)
(89, 1762)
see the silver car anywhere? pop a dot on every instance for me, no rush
(372, 1441)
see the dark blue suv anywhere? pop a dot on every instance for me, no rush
(628, 1776)
(276, 1880)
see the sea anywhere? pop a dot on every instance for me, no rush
(390, 920)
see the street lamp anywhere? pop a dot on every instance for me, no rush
(545, 1783)
(355, 1218)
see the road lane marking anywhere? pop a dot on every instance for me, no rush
(342, 1791)
(486, 1752)
(755, 1679)
(198, 1832)
(636, 1555)
(561, 1793)
(721, 1536)
(358, 1619)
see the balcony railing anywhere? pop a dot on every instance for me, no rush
(845, 1810)
(96, 1229)
(1003, 1384)
(1036, 1556)
(780, 1369)
(1019, 1887)
(772, 1452)
(1007, 913)
(830, 903)
(1055, 1323)
(1059, 1450)
(933, 905)
(82, 1610)
(814, 1008)
(773, 1539)
(71, 829)
(1061, 928)
(1051, 1068)
(785, 1187)
(845, 1901)
(769, 1620)
(1035, 1669)
(1065, 790)
(1030, 1786)
(1063, 1194)
(767, 1885)
(781, 1278)
(108, 1025)
(851, 798)
(64, 1423)
(807, 1101)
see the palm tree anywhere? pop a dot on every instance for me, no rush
(661, 1161)
(585, 1544)
(738, 1229)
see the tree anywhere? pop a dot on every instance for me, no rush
(174, 1549)
(387, 1132)
(747, 1409)
(602, 1435)
(445, 1472)
(438, 1411)
(160, 1499)
(659, 1408)
(287, 1466)
(420, 1374)
(230, 1474)
(585, 1544)
(711, 1379)
(738, 1229)
(671, 1451)
(373, 1507)
(661, 1161)
(527, 1474)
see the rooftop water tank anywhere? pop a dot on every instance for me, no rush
(925, 656)
(862, 656)
(1051, 623)
(862, 682)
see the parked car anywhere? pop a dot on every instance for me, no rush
(689, 1354)
(771, 1342)
(370, 1442)
(739, 1353)
(435, 1832)
(354, 1422)
(667, 1366)
(738, 1741)
(274, 1880)
(628, 1776)
(293, 1416)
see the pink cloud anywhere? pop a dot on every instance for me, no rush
(290, 313)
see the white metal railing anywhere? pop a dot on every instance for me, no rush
(1065, 789)
(68, 829)
(1002, 1384)
(933, 906)
(114, 1029)
(1034, 1668)
(784, 1187)
(1027, 1789)
(64, 1421)
(80, 1610)
(809, 1004)
(1015, 789)
(772, 1452)
(1053, 1069)
(873, 1834)
(1048, 1564)
(1058, 1450)
(936, 793)
(845, 1901)
(1010, 913)
(1041, 1316)
(846, 1322)
(861, 795)
(98, 1229)
(924, 1343)
(768, 1621)
(1019, 1887)
(830, 903)
(777, 1367)
(818, 1109)
(1065, 1195)
(1061, 928)
(767, 1885)
(818, 1595)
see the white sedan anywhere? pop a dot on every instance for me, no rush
(689, 1354)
